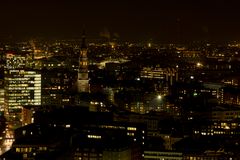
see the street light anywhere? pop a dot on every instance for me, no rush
(159, 102)
(199, 64)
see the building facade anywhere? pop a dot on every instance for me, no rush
(83, 80)
(22, 88)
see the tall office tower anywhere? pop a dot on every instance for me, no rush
(2, 91)
(83, 80)
(22, 87)
(2, 64)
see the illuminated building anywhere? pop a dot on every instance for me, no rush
(2, 92)
(83, 81)
(55, 85)
(154, 155)
(27, 115)
(22, 87)
(15, 61)
(137, 107)
(96, 106)
(169, 75)
(53, 63)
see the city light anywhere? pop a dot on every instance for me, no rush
(162, 81)
(149, 45)
(199, 64)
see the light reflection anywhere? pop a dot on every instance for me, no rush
(7, 140)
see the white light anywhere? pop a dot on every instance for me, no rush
(94, 136)
(159, 97)
(67, 126)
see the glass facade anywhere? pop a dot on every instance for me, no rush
(22, 87)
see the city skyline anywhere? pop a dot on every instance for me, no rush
(160, 21)
(68, 99)
(119, 80)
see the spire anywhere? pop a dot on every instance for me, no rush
(83, 45)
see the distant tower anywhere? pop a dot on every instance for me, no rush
(83, 81)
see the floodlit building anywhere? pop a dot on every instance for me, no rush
(83, 80)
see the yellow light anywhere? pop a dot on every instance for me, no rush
(199, 64)
(227, 127)
(131, 128)
(149, 45)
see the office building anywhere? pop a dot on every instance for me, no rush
(22, 87)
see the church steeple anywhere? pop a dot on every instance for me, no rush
(84, 45)
(83, 80)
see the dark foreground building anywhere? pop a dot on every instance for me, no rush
(75, 133)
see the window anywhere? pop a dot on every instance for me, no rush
(25, 155)
(131, 128)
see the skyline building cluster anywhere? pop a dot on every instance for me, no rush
(113, 100)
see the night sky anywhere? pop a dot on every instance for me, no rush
(159, 20)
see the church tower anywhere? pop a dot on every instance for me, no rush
(83, 80)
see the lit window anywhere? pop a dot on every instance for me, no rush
(94, 136)
(131, 128)
(24, 155)
(67, 126)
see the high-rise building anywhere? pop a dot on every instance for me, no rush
(2, 64)
(83, 80)
(22, 87)
(2, 95)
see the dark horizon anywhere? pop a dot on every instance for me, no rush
(159, 21)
